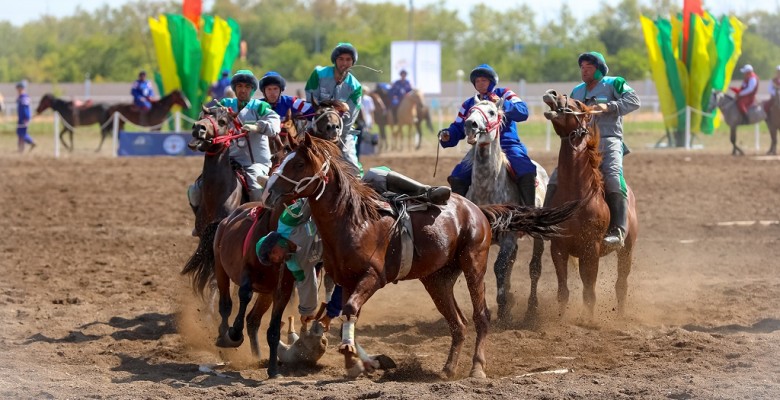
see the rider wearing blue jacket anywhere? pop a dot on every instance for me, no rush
(142, 92)
(272, 85)
(484, 79)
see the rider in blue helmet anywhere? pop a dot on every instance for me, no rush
(484, 78)
(272, 85)
(217, 90)
(397, 92)
(142, 92)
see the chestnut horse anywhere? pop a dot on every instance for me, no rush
(74, 116)
(411, 112)
(579, 178)
(155, 116)
(363, 246)
(491, 184)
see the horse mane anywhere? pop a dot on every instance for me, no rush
(355, 198)
(337, 105)
(594, 155)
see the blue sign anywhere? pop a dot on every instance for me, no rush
(155, 144)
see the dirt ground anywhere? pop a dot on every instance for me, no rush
(92, 304)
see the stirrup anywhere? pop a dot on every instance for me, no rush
(615, 238)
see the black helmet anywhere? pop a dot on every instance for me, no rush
(244, 76)
(344, 48)
(272, 78)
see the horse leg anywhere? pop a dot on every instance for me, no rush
(473, 263)
(366, 286)
(735, 151)
(561, 262)
(621, 285)
(234, 335)
(505, 262)
(103, 134)
(282, 295)
(440, 286)
(62, 139)
(773, 136)
(589, 271)
(535, 271)
(253, 319)
(418, 132)
(225, 302)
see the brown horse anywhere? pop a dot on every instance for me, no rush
(74, 116)
(734, 118)
(327, 122)
(363, 246)
(155, 116)
(411, 112)
(773, 121)
(226, 249)
(579, 178)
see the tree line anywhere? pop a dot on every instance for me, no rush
(292, 36)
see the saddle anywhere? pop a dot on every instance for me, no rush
(399, 206)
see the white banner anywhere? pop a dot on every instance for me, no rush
(421, 60)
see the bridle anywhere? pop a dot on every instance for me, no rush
(582, 123)
(320, 177)
(226, 138)
(328, 111)
(489, 126)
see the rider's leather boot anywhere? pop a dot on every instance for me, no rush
(618, 220)
(527, 185)
(551, 187)
(403, 184)
(458, 185)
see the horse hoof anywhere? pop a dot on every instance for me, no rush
(478, 373)
(385, 362)
(347, 349)
(228, 342)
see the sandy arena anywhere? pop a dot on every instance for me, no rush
(92, 304)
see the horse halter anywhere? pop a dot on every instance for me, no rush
(338, 115)
(228, 137)
(489, 126)
(301, 185)
(582, 124)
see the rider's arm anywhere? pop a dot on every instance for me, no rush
(302, 107)
(457, 133)
(313, 86)
(626, 98)
(750, 88)
(514, 108)
(268, 122)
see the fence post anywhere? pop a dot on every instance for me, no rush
(177, 123)
(56, 139)
(687, 127)
(115, 134)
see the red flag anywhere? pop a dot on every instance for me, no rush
(191, 10)
(689, 7)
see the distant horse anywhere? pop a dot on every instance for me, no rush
(491, 184)
(363, 246)
(380, 119)
(155, 116)
(579, 178)
(734, 118)
(411, 112)
(773, 121)
(74, 116)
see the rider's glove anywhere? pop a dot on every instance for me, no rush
(444, 135)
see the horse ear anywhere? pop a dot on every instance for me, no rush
(307, 140)
(204, 110)
(476, 98)
(500, 103)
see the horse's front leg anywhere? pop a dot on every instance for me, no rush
(735, 151)
(773, 136)
(366, 287)
(255, 317)
(561, 261)
(62, 139)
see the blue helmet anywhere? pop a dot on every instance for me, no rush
(21, 84)
(225, 73)
(485, 71)
(344, 48)
(244, 76)
(272, 78)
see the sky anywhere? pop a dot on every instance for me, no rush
(20, 12)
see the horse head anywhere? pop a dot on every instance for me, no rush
(483, 121)
(570, 118)
(47, 101)
(329, 119)
(178, 98)
(303, 173)
(214, 123)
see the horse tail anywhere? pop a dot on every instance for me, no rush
(540, 223)
(200, 266)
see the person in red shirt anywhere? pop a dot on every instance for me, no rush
(746, 94)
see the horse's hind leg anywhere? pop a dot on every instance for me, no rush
(773, 136)
(535, 271)
(253, 319)
(589, 271)
(621, 285)
(505, 262)
(440, 286)
(225, 302)
(473, 263)
(62, 139)
(282, 295)
(103, 134)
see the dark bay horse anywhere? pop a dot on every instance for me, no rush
(579, 178)
(773, 121)
(363, 247)
(155, 116)
(492, 184)
(74, 116)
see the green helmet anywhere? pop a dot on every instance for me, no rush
(244, 76)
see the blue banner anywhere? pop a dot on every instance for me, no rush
(133, 144)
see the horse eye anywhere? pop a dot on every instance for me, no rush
(221, 123)
(492, 113)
